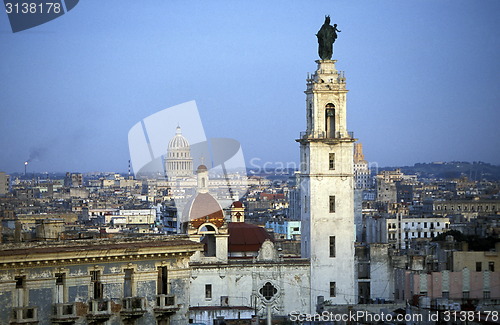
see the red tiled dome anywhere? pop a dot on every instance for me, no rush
(245, 237)
(237, 204)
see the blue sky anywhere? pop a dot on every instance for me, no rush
(422, 75)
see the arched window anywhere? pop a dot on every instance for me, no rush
(330, 120)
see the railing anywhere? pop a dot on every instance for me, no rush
(324, 135)
(24, 315)
(99, 307)
(165, 301)
(64, 310)
(134, 304)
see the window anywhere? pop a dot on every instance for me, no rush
(465, 294)
(208, 291)
(268, 291)
(20, 282)
(332, 246)
(332, 204)
(491, 266)
(446, 294)
(331, 161)
(60, 278)
(127, 283)
(478, 267)
(162, 283)
(332, 289)
(486, 295)
(59, 289)
(95, 278)
(425, 224)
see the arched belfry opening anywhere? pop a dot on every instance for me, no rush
(210, 246)
(330, 120)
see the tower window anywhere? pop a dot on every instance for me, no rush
(330, 120)
(478, 267)
(331, 163)
(332, 246)
(491, 266)
(332, 204)
(333, 289)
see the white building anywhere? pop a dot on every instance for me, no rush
(327, 185)
(362, 177)
(139, 216)
(239, 272)
(401, 231)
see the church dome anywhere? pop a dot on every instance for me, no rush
(245, 238)
(178, 141)
(202, 208)
(202, 168)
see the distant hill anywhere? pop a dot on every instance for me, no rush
(451, 170)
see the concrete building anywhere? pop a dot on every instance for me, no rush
(139, 216)
(467, 208)
(473, 275)
(73, 180)
(4, 184)
(285, 229)
(362, 177)
(327, 188)
(402, 231)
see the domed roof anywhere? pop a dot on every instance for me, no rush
(178, 141)
(246, 237)
(202, 168)
(237, 204)
(203, 208)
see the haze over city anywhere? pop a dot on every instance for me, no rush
(422, 75)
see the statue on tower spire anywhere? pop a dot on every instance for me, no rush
(326, 37)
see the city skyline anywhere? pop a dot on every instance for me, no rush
(422, 77)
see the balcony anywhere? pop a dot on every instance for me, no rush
(99, 310)
(64, 313)
(322, 135)
(24, 315)
(166, 304)
(133, 307)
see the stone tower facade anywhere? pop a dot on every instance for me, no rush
(327, 188)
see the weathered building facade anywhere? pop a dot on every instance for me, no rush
(94, 282)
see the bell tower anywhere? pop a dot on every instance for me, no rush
(327, 188)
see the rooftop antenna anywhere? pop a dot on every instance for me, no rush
(25, 165)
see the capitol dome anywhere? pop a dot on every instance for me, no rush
(178, 141)
(178, 162)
